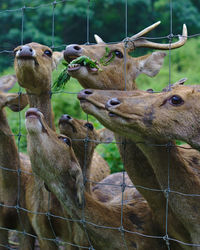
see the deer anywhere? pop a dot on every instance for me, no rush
(64, 177)
(152, 120)
(112, 77)
(90, 161)
(12, 182)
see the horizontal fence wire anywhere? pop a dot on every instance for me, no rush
(83, 222)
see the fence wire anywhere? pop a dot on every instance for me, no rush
(83, 221)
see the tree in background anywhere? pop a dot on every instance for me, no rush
(107, 18)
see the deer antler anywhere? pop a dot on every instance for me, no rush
(145, 31)
(140, 42)
(98, 39)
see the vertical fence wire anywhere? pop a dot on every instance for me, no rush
(166, 237)
(87, 140)
(123, 185)
(86, 182)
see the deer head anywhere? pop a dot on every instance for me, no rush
(34, 64)
(7, 82)
(13, 101)
(169, 115)
(52, 146)
(112, 59)
(78, 130)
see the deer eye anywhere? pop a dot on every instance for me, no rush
(119, 54)
(176, 100)
(48, 53)
(65, 140)
(89, 125)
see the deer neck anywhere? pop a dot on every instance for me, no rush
(9, 159)
(142, 175)
(84, 153)
(43, 103)
(173, 172)
(8, 149)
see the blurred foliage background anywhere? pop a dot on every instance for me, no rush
(107, 19)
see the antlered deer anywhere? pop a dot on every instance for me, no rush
(63, 176)
(153, 120)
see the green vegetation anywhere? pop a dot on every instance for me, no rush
(106, 18)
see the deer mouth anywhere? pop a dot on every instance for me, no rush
(76, 67)
(32, 113)
(28, 59)
(66, 122)
(73, 67)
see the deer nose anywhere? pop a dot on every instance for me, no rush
(64, 118)
(25, 51)
(83, 94)
(72, 51)
(112, 103)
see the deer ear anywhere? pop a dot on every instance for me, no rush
(151, 64)
(16, 102)
(7, 82)
(105, 135)
(77, 177)
(57, 57)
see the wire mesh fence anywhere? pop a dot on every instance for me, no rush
(83, 222)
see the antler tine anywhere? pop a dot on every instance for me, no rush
(145, 31)
(98, 39)
(162, 46)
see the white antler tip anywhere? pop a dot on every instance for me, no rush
(184, 30)
(98, 39)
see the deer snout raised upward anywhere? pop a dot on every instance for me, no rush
(25, 52)
(65, 118)
(72, 51)
(82, 95)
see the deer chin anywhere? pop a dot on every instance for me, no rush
(33, 121)
(27, 62)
